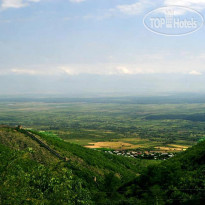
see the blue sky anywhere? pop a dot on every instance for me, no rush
(103, 37)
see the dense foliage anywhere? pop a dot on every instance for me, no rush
(180, 180)
(24, 181)
(30, 174)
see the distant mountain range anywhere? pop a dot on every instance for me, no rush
(97, 85)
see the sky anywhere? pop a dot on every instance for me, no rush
(94, 40)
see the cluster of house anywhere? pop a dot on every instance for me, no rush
(142, 154)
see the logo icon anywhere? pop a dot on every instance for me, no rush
(173, 21)
(169, 18)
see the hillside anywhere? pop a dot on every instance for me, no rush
(57, 172)
(31, 172)
(180, 180)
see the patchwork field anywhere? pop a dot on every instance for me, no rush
(130, 144)
(113, 125)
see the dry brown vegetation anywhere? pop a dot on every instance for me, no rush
(113, 145)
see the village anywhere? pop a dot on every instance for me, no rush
(142, 154)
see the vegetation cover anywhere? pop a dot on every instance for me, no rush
(179, 180)
(111, 123)
(31, 174)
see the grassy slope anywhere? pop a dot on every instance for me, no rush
(96, 163)
(29, 174)
(24, 180)
(28, 170)
(18, 141)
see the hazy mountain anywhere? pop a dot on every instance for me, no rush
(105, 84)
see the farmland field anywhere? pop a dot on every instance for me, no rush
(116, 125)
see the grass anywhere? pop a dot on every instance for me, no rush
(82, 142)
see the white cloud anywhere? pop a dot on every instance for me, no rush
(24, 71)
(142, 5)
(194, 72)
(145, 63)
(16, 3)
(36, 70)
(136, 8)
(194, 4)
(123, 70)
(162, 67)
(68, 70)
(12, 4)
(23, 3)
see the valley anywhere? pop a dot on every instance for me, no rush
(118, 125)
(101, 153)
